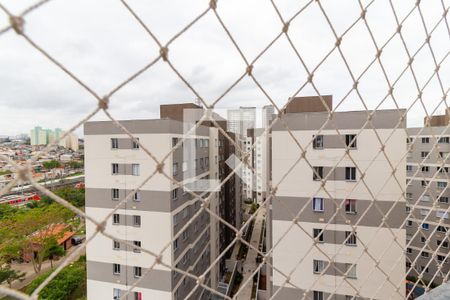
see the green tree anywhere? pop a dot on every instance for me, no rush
(75, 164)
(52, 250)
(51, 164)
(9, 275)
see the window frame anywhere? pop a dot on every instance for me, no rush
(113, 194)
(318, 235)
(321, 202)
(351, 141)
(350, 174)
(350, 206)
(135, 222)
(135, 169)
(114, 143)
(115, 169)
(116, 269)
(317, 173)
(350, 238)
(318, 142)
(116, 219)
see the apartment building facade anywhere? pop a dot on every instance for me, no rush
(428, 202)
(115, 165)
(338, 216)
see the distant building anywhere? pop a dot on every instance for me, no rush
(268, 112)
(239, 120)
(40, 136)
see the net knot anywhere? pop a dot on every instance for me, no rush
(103, 103)
(17, 23)
(164, 52)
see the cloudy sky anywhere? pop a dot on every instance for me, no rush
(102, 44)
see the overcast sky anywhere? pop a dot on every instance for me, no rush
(102, 44)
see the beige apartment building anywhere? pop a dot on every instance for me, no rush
(328, 257)
(115, 165)
(428, 201)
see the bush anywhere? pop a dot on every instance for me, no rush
(68, 281)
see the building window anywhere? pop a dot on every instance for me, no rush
(425, 140)
(175, 244)
(174, 194)
(424, 212)
(137, 271)
(318, 266)
(175, 219)
(426, 226)
(350, 238)
(408, 250)
(348, 297)
(350, 271)
(317, 234)
(425, 254)
(444, 140)
(135, 143)
(441, 214)
(350, 141)
(425, 198)
(115, 194)
(116, 245)
(116, 269)
(408, 237)
(317, 295)
(443, 170)
(443, 154)
(443, 199)
(408, 264)
(424, 183)
(137, 196)
(350, 173)
(423, 239)
(174, 169)
(138, 246)
(441, 229)
(174, 141)
(409, 168)
(441, 184)
(115, 169)
(408, 223)
(409, 196)
(185, 212)
(116, 219)
(135, 169)
(116, 294)
(425, 169)
(443, 244)
(440, 258)
(136, 220)
(137, 296)
(318, 204)
(423, 269)
(318, 142)
(317, 173)
(424, 154)
(114, 143)
(350, 206)
(408, 209)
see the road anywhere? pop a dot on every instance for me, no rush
(250, 264)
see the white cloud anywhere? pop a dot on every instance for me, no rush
(101, 43)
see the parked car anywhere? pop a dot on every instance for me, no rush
(78, 239)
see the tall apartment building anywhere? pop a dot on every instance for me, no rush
(268, 112)
(114, 166)
(259, 144)
(40, 136)
(241, 119)
(303, 188)
(428, 178)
